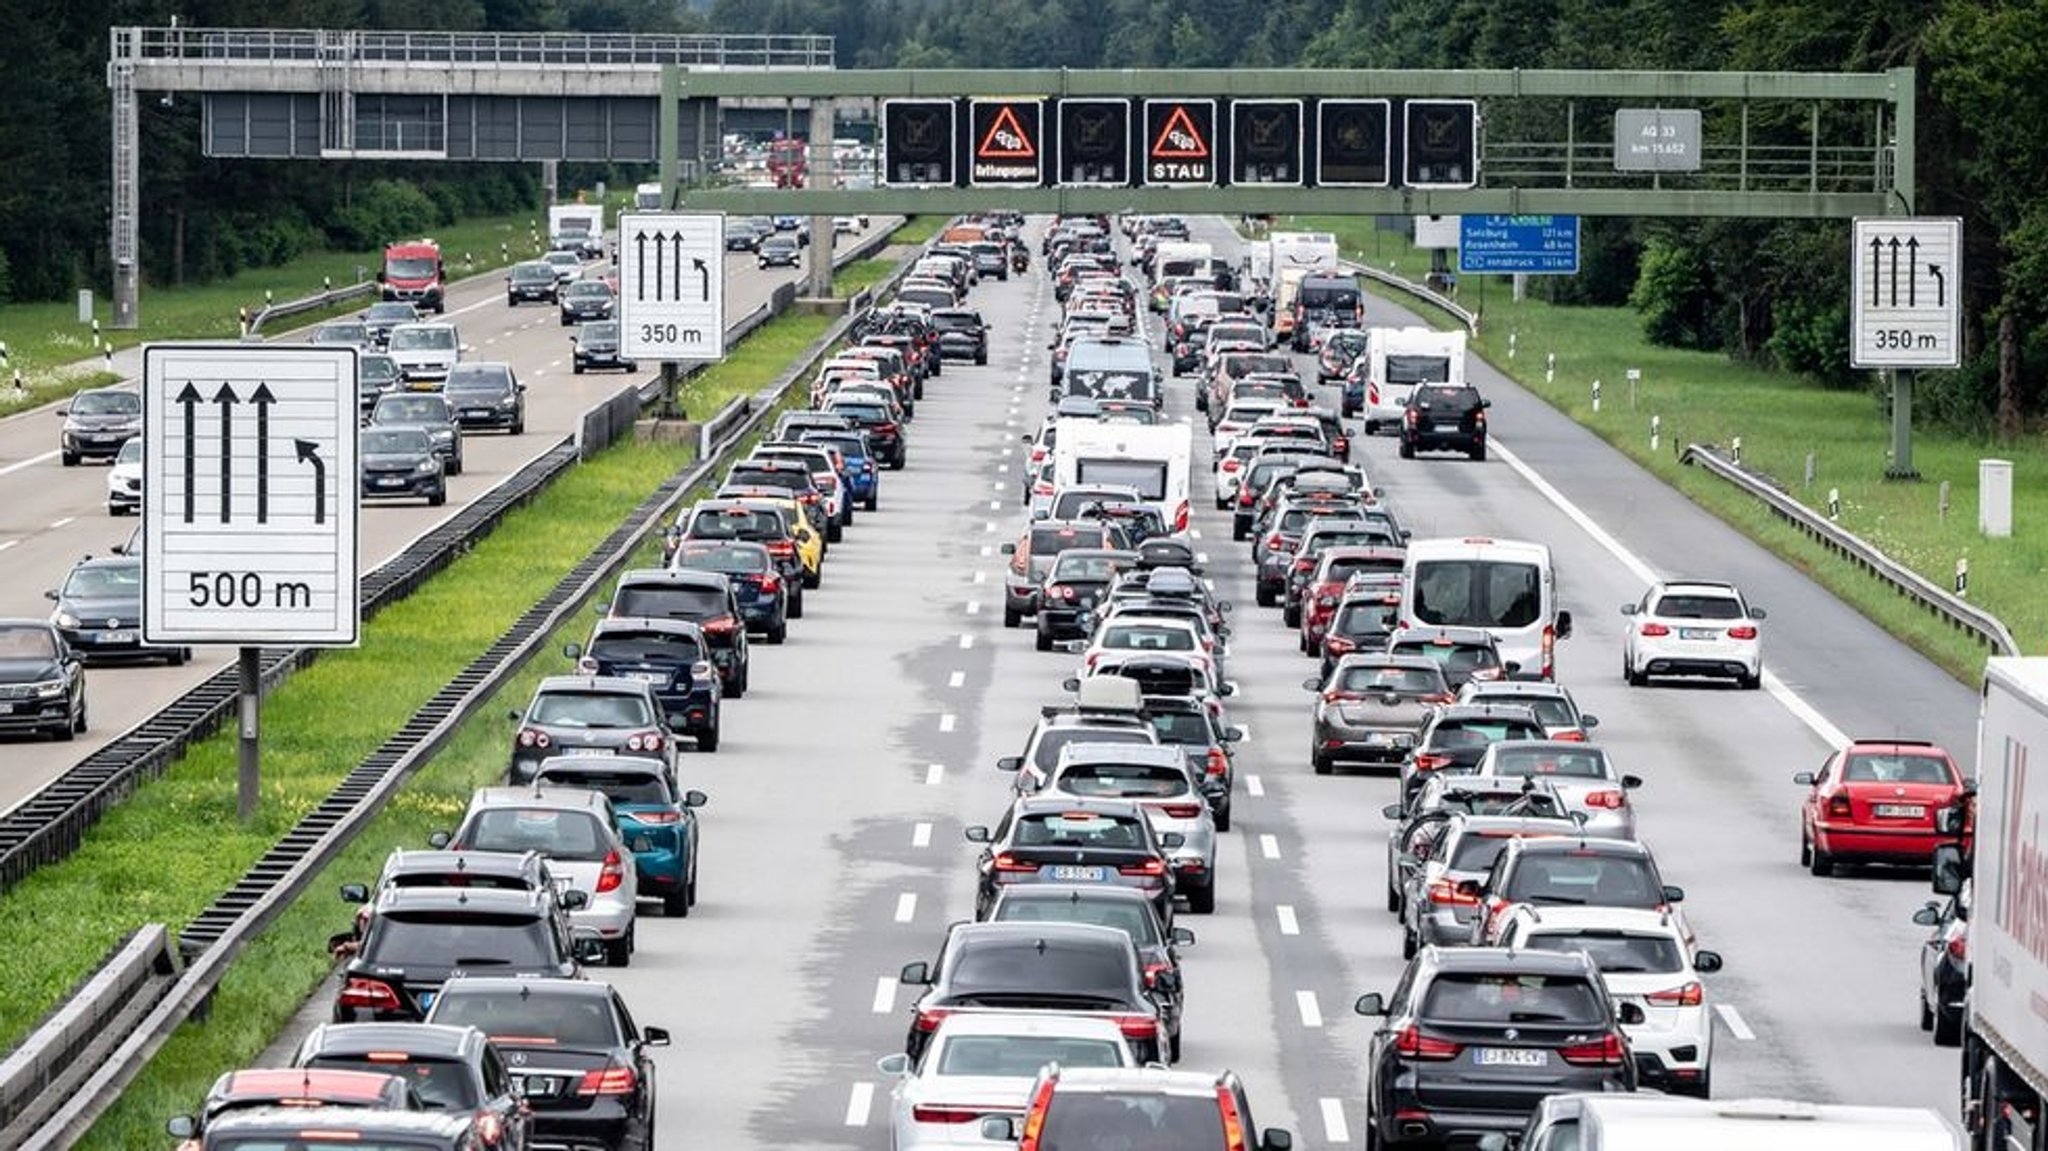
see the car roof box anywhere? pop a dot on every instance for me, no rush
(1108, 693)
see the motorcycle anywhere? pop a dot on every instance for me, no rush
(1020, 260)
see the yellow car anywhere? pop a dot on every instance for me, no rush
(810, 544)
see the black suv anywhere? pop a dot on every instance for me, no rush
(1472, 1039)
(705, 598)
(450, 1068)
(420, 937)
(350, 1128)
(1445, 418)
(962, 333)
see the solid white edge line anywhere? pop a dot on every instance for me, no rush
(60, 523)
(885, 995)
(1311, 1011)
(1737, 1026)
(934, 773)
(906, 910)
(1801, 710)
(1269, 846)
(1254, 786)
(30, 462)
(1334, 1127)
(921, 835)
(859, 1103)
(8, 544)
(1289, 925)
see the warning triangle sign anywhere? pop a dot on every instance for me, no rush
(1179, 140)
(1006, 139)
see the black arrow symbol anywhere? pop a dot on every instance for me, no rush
(262, 399)
(677, 293)
(640, 265)
(1912, 270)
(1895, 271)
(1876, 261)
(189, 399)
(660, 254)
(703, 280)
(309, 453)
(227, 400)
(1940, 285)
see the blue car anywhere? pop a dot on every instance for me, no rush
(766, 603)
(863, 471)
(671, 656)
(659, 827)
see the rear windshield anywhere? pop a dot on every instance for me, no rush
(1406, 680)
(557, 834)
(1020, 1056)
(1331, 297)
(685, 603)
(1475, 732)
(1453, 657)
(618, 786)
(1367, 619)
(1869, 767)
(1697, 607)
(738, 524)
(1478, 593)
(1079, 829)
(1124, 780)
(730, 560)
(1049, 744)
(649, 646)
(1138, 637)
(1343, 568)
(591, 709)
(1477, 852)
(1138, 1120)
(1148, 477)
(1471, 997)
(1418, 369)
(1131, 917)
(577, 1021)
(1587, 764)
(1617, 953)
(790, 478)
(441, 1084)
(458, 940)
(1585, 877)
(1553, 711)
(1096, 569)
(1087, 969)
(1183, 728)
(1052, 541)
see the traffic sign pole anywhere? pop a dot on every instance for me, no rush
(248, 745)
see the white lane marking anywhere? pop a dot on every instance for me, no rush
(1254, 786)
(1733, 1018)
(957, 679)
(1289, 925)
(8, 544)
(30, 462)
(1334, 1127)
(1245, 727)
(1010, 423)
(1195, 533)
(981, 577)
(62, 522)
(1000, 469)
(1006, 453)
(885, 995)
(987, 550)
(906, 907)
(946, 722)
(1311, 1011)
(988, 527)
(1801, 710)
(995, 505)
(859, 1104)
(933, 773)
(1269, 846)
(966, 641)
(974, 607)
(921, 835)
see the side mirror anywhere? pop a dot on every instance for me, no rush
(1311, 684)
(1758, 613)
(355, 893)
(439, 839)
(1181, 937)
(897, 1064)
(1564, 625)
(572, 651)
(1674, 893)
(1706, 962)
(1631, 782)
(1949, 820)
(1010, 763)
(1927, 916)
(590, 950)
(1469, 888)
(573, 900)
(1589, 722)
(695, 798)
(1009, 549)
(1630, 1014)
(1511, 667)
(181, 1126)
(1172, 839)
(1071, 683)
(1948, 869)
(1371, 1003)
(977, 834)
(1227, 689)
(51, 594)
(1275, 1139)
(917, 974)
(1628, 609)
(654, 1036)
(1804, 778)
(1391, 811)
(1233, 734)
(999, 1129)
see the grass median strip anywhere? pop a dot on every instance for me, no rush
(919, 229)
(1704, 397)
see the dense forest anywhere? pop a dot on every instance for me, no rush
(1770, 291)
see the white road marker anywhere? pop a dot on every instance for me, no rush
(921, 835)
(1334, 1127)
(859, 1104)
(62, 522)
(1289, 925)
(981, 577)
(885, 995)
(1001, 469)
(906, 908)
(946, 722)
(1195, 533)
(1005, 453)
(30, 462)
(1311, 1011)
(1734, 1021)
(8, 544)
(987, 550)
(974, 607)
(995, 505)
(966, 641)
(990, 526)
(957, 679)
(1269, 846)
(1254, 787)
(934, 773)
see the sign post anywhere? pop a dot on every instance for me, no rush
(249, 498)
(1905, 309)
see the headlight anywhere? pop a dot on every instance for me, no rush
(427, 467)
(509, 402)
(49, 689)
(443, 435)
(65, 619)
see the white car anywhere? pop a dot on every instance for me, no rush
(1156, 777)
(1146, 635)
(426, 351)
(1644, 958)
(1239, 418)
(568, 265)
(124, 483)
(1580, 773)
(1695, 628)
(983, 1063)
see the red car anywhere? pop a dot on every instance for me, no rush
(1325, 589)
(1874, 801)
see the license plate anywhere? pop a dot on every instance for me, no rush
(648, 676)
(1511, 1057)
(1901, 810)
(640, 843)
(1379, 739)
(117, 637)
(477, 413)
(1080, 874)
(11, 708)
(542, 1085)
(1698, 633)
(1447, 427)
(389, 481)
(588, 751)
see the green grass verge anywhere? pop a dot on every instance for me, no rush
(1703, 397)
(46, 341)
(753, 364)
(918, 229)
(860, 275)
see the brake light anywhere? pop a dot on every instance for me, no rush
(609, 1081)
(1304, 564)
(1607, 1051)
(1233, 1123)
(1372, 392)
(1042, 488)
(1549, 649)
(941, 1113)
(1059, 591)
(1153, 866)
(1034, 1116)
(1180, 517)
(1274, 541)
(1610, 800)
(1245, 496)
(655, 816)
(1959, 948)
(1339, 645)
(782, 549)
(1010, 863)
(1656, 629)
(644, 741)
(886, 428)
(723, 625)
(1138, 1026)
(1411, 1043)
(1838, 806)
(1479, 419)
(533, 737)
(1743, 632)
(1232, 464)
(1575, 735)
(928, 1018)
(1181, 810)
(1217, 763)
(1689, 995)
(374, 994)
(769, 584)
(1430, 761)
(1409, 417)
(1445, 891)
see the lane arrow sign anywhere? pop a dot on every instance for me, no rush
(1940, 285)
(660, 255)
(1876, 262)
(703, 280)
(1895, 271)
(262, 398)
(227, 400)
(1912, 270)
(640, 265)
(308, 452)
(189, 400)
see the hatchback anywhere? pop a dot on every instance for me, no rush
(587, 715)
(577, 830)
(672, 658)
(486, 395)
(1060, 839)
(1071, 968)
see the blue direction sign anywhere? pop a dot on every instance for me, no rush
(1533, 245)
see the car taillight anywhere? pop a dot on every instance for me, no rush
(782, 549)
(587, 666)
(1409, 417)
(1549, 650)
(1234, 1138)
(1743, 632)
(942, 1113)
(1689, 995)
(1180, 517)
(1154, 970)
(1339, 645)
(1372, 392)
(490, 1128)
(1059, 591)
(1136, 1026)
(1302, 565)
(611, 874)
(723, 625)
(1411, 1043)
(1959, 948)
(1479, 419)
(1446, 891)
(1180, 810)
(1217, 763)
(1610, 800)
(1245, 496)
(533, 737)
(609, 1081)
(644, 741)
(1440, 697)
(1430, 761)
(1034, 1116)
(657, 817)
(886, 429)
(1607, 1051)
(703, 669)
(1838, 806)
(1575, 735)
(1232, 464)
(1011, 863)
(769, 584)
(1089, 663)
(374, 994)
(1042, 488)
(1655, 629)
(1154, 866)
(1274, 541)
(929, 1018)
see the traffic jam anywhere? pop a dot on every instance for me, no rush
(1549, 957)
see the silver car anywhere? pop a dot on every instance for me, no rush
(578, 833)
(1580, 773)
(1439, 907)
(1157, 778)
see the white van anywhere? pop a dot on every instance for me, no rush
(1150, 458)
(1397, 360)
(1507, 587)
(1650, 1122)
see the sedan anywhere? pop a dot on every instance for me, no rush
(1069, 968)
(1874, 801)
(1693, 628)
(1065, 840)
(1126, 910)
(779, 251)
(99, 611)
(1581, 774)
(597, 346)
(586, 301)
(982, 1065)
(42, 681)
(400, 463)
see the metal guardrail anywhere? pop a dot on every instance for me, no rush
(127, 984)
(1421, 292)
(313, 46)
(1962, 615)
(69, 1104)
(304, 304)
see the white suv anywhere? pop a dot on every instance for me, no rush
(1693, 627)
(1643, 956)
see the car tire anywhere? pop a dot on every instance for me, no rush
(70, 459)
(779, 632)
(868, 504)
(511, 301)
(1012, 617)
(1407, 450)
(1202, 900)
(619, 952)
(813, 578)
(438, 498)
(1323, 764)
(676, 906)
(1265, 596)
(1290, 616)
(708, 740)
(1819, 863)
(1393, 899)
(981, 359)
(177, 656)
(455, 466)
(1409, 944)
(1699, 1089)
(834, 532)
(1478, 454)
(796, 606)
(1629, 674)
(1926, 1013)
(1239, 533)
(1751, 682)
(740, 685)
(1222, 818)
(1042, 640)
(64, 732)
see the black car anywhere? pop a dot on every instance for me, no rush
(672, 657)
(42, 681)
(381, 317)
(584, 715)
(429, 412)
(399, 463)
(584, 301)
(880, 424)
(421, 937)
(795, 481)
(1071, 968)
(376, 375)
(486, 394)
(763, 592)
(97, 423)
(1945, 967)
(1077, 581)
(963, 334)
(452, 1069)
(1465, 654)
(99, 611)
(779, 251)
(1061, 839)
(533, 281)
(772, 525)
(1129, 912)
(704, 598)
(597, 345)
(1444, 418)
(1474, 1038)
(1456, 735)
(239, 1092)
(741, 236)
(578, 1058)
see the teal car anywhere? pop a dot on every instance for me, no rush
(659, 826)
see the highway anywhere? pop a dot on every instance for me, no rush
(51, 515)
(833, 850)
